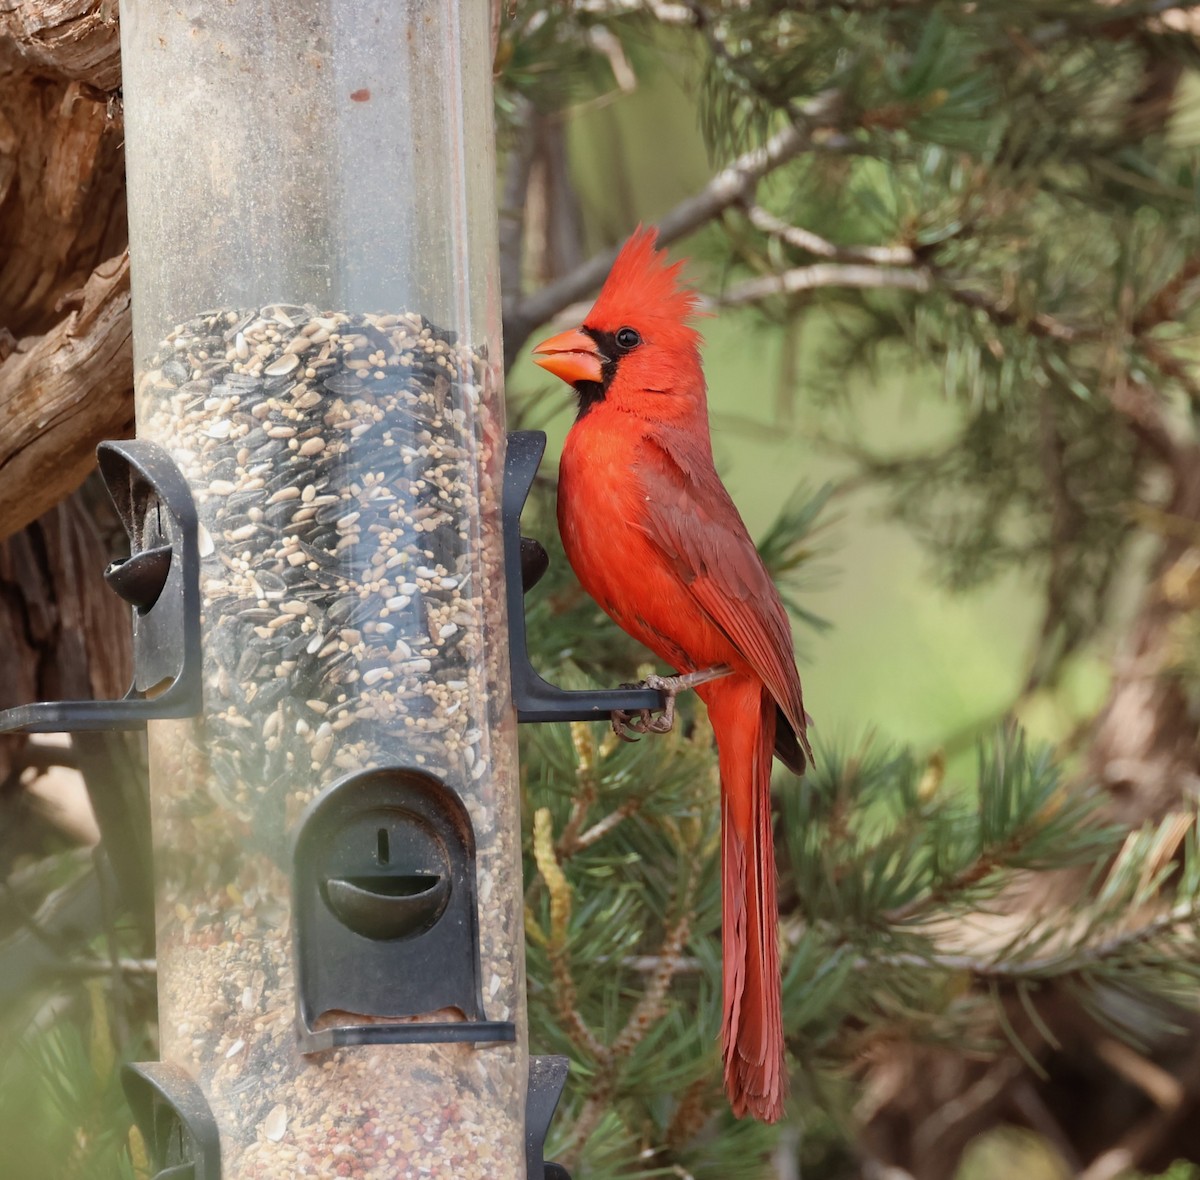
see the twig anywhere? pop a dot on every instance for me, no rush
(517, 170)
(1141, 409)
(937, 896)
(88, 967)
(1159, 1085)
(1068, 961)
(568, 843)
(730, 186)
(1064, 526)
(805, 239)
(823, 274)
(608, 45)
(602, 827)
(664, 13)
(1028, 1103)
(1148, 1133)
(691, 1114)
(586, 753)
(978, 1095)
(1038, 324)
(651, 1005)
(1172, 367)
(648, 964)
(1163, 305)
(919, 276)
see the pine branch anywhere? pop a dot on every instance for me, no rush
(931, 906)
(560, 958)
(730, 186)
(603, 827)
(919, 275)
(1076, 959)
(811, 243)
(823, 274)
(663, 11)
(1086, 957)
(1163, 306)
(650, 1008)
(1038, 324)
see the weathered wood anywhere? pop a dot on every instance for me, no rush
(61, 394)
(65, 331)
(66, 636)
(75, 40)
(62, 195)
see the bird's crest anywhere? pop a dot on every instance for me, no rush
(642, 284)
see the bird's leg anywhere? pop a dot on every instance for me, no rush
(670, 686)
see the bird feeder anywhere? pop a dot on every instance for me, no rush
(317, 582)
(317, 345)
(325, 560)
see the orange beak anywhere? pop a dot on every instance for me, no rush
(572, 355)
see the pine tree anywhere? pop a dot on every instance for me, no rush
(1006, 193)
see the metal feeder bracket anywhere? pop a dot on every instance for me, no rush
(177, 1126)
(161, 581)
(547, 1076)
(525, 561)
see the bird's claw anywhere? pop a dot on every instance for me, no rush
(643, 720)
(621, 721)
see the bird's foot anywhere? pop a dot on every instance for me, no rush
(643, 720)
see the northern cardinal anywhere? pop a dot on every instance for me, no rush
(655, 539)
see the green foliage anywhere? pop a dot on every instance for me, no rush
(62, 1109)
(1034, 168)
(1016, 152)
(879, 859)
(1013, 164)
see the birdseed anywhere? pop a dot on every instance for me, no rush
(346, 470)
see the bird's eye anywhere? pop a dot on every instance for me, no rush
(628, 338)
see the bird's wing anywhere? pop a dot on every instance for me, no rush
(692, 521)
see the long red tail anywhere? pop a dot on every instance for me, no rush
(743, 719)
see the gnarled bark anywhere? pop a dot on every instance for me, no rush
(77, 40)
(65, 369)
(61, 394)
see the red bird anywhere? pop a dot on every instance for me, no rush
(655, 539)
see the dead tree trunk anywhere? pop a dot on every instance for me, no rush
(66, 373)
(66, 378)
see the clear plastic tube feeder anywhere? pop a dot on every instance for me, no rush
(317, 345)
